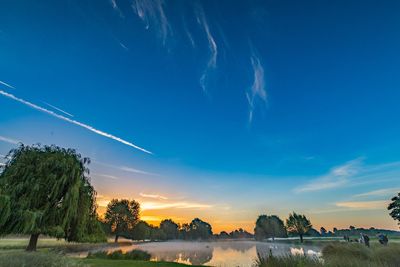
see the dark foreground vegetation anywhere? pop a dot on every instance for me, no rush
(135, 254)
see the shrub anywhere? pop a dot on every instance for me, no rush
(135, 254)
(116, 255)
(97, 255)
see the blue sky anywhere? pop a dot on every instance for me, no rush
(247, 107)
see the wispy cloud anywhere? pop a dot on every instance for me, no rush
(133, 170)
(124, 168)
(173, 205)
(258, 91)
(58, 109)
(103, 201)
(157, 205)
(155, 196)
(9, 140)
(149, 218)
(123, 46)
(116, 8)
(114, 4)
(362, 205)
(152, 13)
(212, 61)
(337, 177)
(85, 126)
(356, 173)
(380, 193)
(6, 84)
(106, 176)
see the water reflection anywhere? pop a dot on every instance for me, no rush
(222, 253)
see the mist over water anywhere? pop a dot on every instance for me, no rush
(220, 253)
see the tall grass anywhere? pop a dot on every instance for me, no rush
(339, 255)
(42, 259)
(358, 255)
(287, 261)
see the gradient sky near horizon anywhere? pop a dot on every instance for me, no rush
(221, 110)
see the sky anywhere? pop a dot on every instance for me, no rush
(222, 110)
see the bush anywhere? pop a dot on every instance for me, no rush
(42, 259)
(135, 254)
(97, 255)
(288, 261)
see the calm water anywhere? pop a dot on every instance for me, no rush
(222, 253)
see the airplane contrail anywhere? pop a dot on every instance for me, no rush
(88, 127)
(6, 84)
(56, 108)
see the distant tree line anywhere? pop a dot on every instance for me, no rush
(122, 220)
(236, 234)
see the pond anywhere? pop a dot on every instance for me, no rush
(219, 253)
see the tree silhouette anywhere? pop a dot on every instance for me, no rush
(298, 224)
(122, 216)
(269, 227)
(199, 229)
(45, 190)
(170, 228)
(323, 231)
(394, 208)
(141, 231)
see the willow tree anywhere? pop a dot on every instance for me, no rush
(298, 224)
(45, 190)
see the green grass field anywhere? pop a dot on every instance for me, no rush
(18, 258)
(129, 263)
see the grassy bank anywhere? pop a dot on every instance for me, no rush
(128, 263)
(51, 259)
(338, 255)
(52, 244)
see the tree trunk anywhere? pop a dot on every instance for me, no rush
(116, 239)
(32, 242)
(301, 238)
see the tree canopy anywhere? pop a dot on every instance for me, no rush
(197, 229)
(170, 228)
(394, 208)
(45, 190)
(141, 231)
(122, 216)
(298, 224)
(269, 227)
